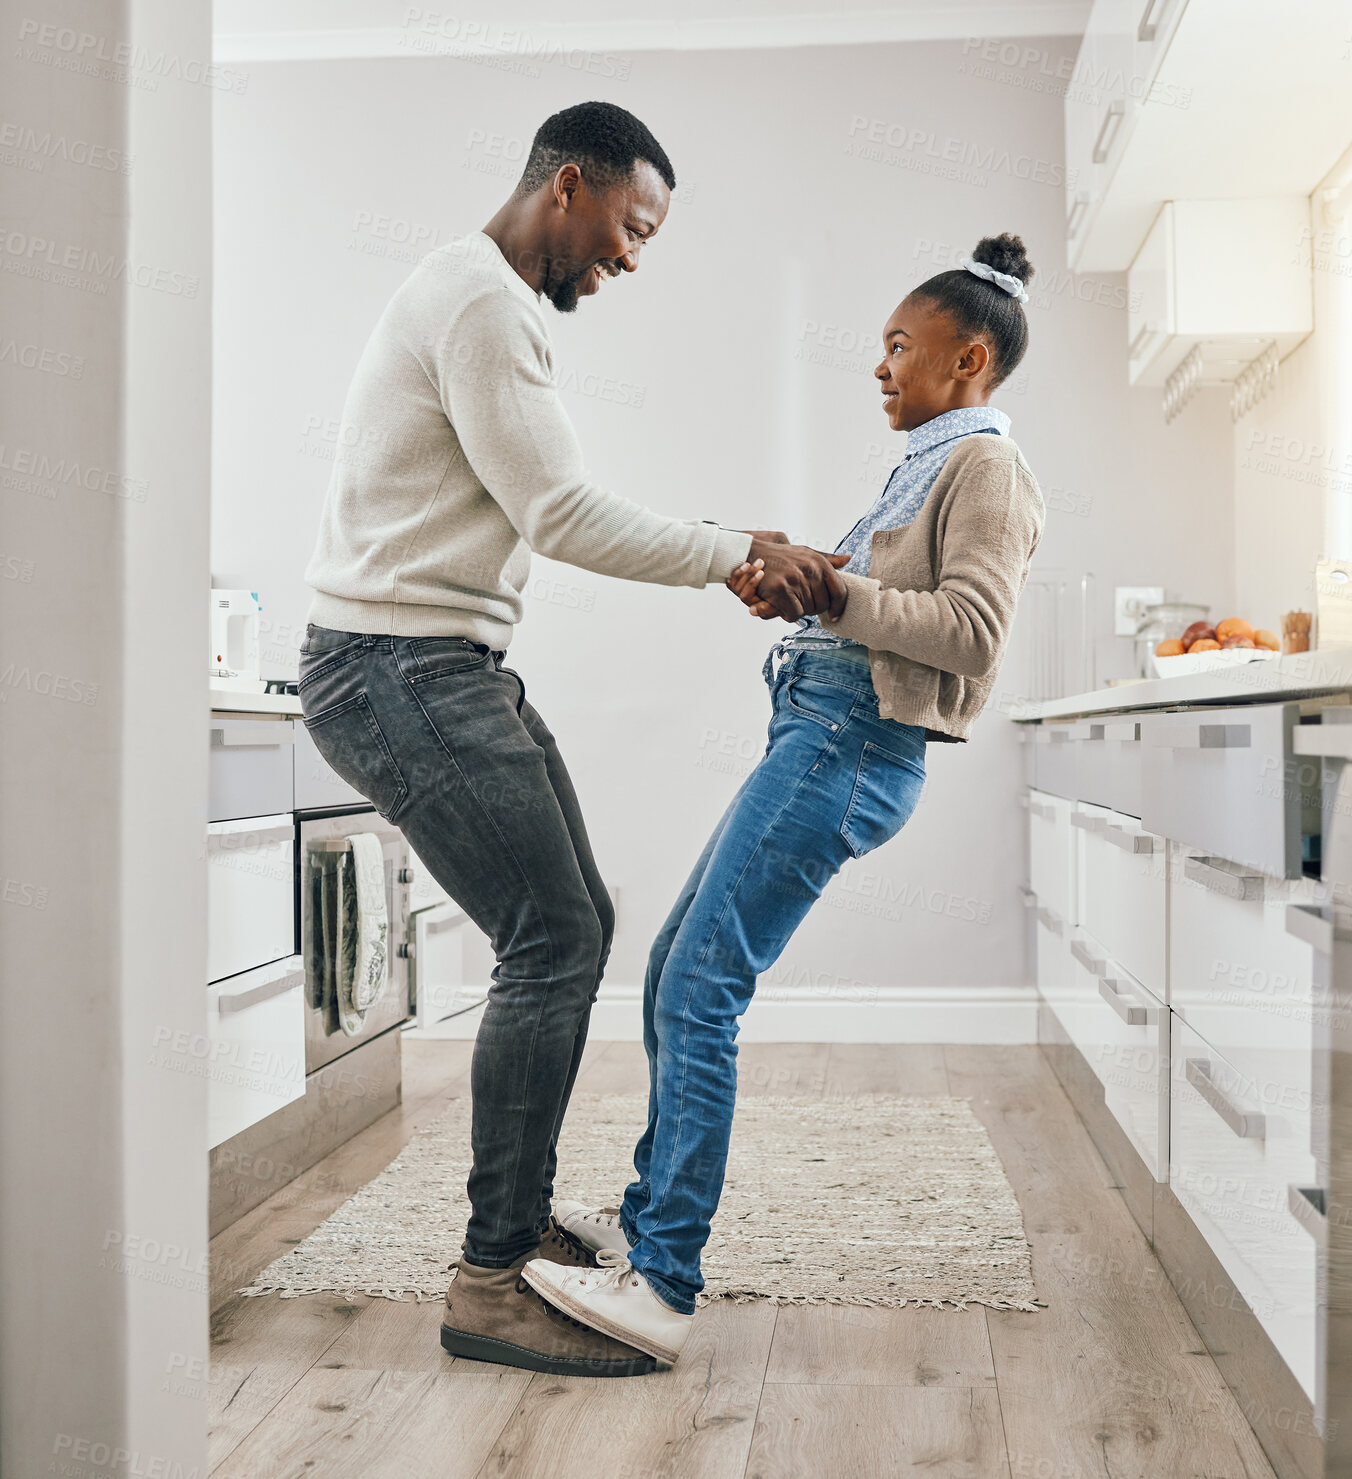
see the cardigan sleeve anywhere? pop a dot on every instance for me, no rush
(991, 528)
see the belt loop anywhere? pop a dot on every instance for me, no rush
(768, 672)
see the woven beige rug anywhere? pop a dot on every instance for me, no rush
(866, 1201)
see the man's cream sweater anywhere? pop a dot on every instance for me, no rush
(456, 460)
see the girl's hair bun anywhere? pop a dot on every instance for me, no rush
(1005, 253)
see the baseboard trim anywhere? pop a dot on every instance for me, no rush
(853, 1014)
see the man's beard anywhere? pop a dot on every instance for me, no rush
(564, 295)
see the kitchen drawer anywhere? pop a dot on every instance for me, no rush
(1093, 763)
(1123, 1031)
(1051, 854)
(1223, 782)
(250, 771)
(1238, 1145)
(1123, 894)
(317, 783)
(1056, 760)
(1122, 740)
(1236, 975)
(256, 1046)
(251, 893)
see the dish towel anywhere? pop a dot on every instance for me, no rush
(363, 967)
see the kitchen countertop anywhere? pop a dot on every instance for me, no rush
(237, 701)
(1303, 674)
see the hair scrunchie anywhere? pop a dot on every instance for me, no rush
(1002, 280)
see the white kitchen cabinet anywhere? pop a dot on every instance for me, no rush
(1122, 1029)
(255, 1047)
(1122, 887)
(251, 893)
(1239, 1143)
(1224, 782)
(1237, 976)
(1224, 99)
(1225, 276)
(1056, 759)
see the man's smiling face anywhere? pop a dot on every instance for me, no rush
(601, 233)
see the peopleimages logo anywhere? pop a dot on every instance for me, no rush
(870, 137)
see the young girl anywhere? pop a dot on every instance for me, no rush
(935, 571)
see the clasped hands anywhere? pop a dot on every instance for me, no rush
(788, 580)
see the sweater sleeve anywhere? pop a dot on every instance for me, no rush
(495, 379)
(993, 524)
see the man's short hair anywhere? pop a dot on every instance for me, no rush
(603, 140)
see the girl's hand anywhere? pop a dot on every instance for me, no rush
(744, 580)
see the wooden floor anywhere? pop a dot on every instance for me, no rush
(1110, 1380)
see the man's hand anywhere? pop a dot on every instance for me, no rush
(789, 580)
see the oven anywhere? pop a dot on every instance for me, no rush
(320, 851)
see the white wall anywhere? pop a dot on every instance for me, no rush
(1293, 451)
(739, 360)
(105, 388)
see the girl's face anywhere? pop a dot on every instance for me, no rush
(928, 368)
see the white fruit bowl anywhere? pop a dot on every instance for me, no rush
(1187, 663)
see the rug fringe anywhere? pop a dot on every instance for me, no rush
(375, 1291)
(734, 1296)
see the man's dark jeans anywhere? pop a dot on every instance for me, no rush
(438, 736)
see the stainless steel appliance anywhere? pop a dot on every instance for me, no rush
(319, 856)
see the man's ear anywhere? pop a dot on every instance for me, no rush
(973, 360)
(566, 182)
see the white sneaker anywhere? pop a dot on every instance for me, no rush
(597, 1227)
(614, 1299)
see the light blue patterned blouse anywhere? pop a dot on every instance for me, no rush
(927, 449)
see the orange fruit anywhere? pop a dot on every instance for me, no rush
(1205, 644)
(1267, 640)
(1233, 626)
(1170, 647)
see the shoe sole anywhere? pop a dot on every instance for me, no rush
(504, 1353)
(563, 1301)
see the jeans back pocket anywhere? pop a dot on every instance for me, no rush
(886, 790)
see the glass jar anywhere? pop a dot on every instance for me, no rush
(1167, 619)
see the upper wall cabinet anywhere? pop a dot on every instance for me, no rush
(1199, 100)
(1224, 276)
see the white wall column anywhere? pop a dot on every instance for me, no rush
(104, 461)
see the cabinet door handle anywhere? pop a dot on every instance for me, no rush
(1306, 1204)
(1112, 121)
(1308, 922)
(1128, 733)
(1037, 809)
(1051, 919)
(1088, 959)
(1075, 219)
(1086, 731)
(1241, 1122)
(1241, 886)
(1134, 842)
(242, 1000)
(1133, 1013)
(1206, 737)
(1334, 741)
(256, 736)
(1085, 822)
(1028, 896)
(1149, 25)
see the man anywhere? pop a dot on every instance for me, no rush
(466, 462)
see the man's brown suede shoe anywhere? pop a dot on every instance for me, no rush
(492, 1314)
(559, 1246)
